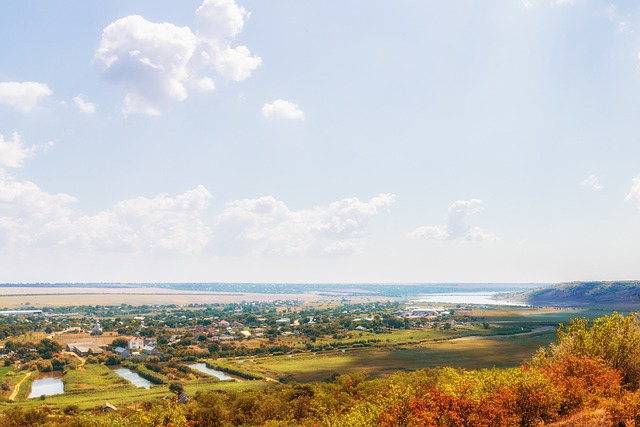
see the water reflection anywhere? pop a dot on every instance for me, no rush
(203, 368)
(49, 385)
(133, 377)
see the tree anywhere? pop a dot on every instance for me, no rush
(176, 388)
(615, 339)
(120, 342)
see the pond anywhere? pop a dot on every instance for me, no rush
(203, 368)
(46, 385)
(133, 377)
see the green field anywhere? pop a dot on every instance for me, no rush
(91, 387)
(470, 353)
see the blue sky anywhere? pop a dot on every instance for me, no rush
(289, 141)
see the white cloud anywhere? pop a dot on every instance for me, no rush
(149, 59)
(266, 226)
(162, 223)
(84, 105)
(457, 226)
(29, 215)
(219, 22)
(156, 62)
(634, 192)
(592, 183)
(23, 96)
(13, 153)
(566, 2)
(281, 109)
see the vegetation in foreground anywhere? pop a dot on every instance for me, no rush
(589, 377)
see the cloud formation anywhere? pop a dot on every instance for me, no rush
(592, 183)
(219, 22)
(32, 217)
(266, 226)
(13, 153)
(83, 104)
(23, 96)
(282, 109)
(148, 59)
(634, 192)
(157, 63)
(457, 226)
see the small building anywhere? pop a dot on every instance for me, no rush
(108, 407)
(135, 343)
(84, 348)
(183, 398)
(96, 329)
(122, 352)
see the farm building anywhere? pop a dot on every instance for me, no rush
(84, 348)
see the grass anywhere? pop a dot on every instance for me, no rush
(5, 370)
(469, 353)
(93, 377)
(91, 387)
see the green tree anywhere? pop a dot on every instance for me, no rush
(615, 339)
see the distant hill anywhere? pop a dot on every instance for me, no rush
(623, 294)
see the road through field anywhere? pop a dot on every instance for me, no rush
(17, 389)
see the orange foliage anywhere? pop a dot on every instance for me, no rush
(584, 381)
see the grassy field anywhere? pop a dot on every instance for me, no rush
(470, 353)
(91, 387)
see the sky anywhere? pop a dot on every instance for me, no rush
(304, 141)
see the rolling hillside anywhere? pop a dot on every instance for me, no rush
(621, 294)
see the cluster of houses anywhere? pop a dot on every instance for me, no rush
(226, 331)
(138, 348)
(422, 312)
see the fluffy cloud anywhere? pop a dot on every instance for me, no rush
(149, 59)
(162, 223)
(23, 96)
(266, 226)
(29, 215)
(457, 226)
(592, 183)
(13, 153)
(219, 22)
(281, 109)
(157, 64)
(634, 192)
(84, 105)
(32, 217)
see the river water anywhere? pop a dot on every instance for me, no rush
(480, 298)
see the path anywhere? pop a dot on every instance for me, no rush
(82, 361)
(17, 389)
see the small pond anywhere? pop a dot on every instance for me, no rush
(46, 385)
(203, 368)
(133, 377)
